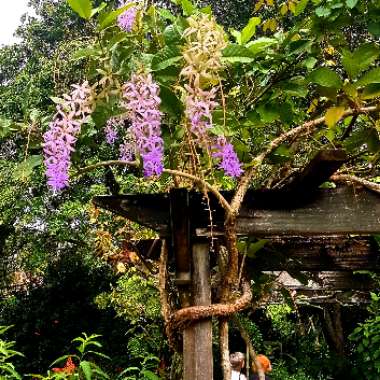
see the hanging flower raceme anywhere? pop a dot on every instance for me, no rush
(60, 139)
(141, 100)
(199, 107)
(111, 129)
(229, 160)
(127, 19)
(205, 41)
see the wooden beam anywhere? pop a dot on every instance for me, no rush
(320, 253)
(341, 211)
(203, 359)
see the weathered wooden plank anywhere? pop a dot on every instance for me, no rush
(341, 211)
(318, 253)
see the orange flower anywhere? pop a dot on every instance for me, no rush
(69, 367)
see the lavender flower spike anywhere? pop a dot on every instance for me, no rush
(229, 159)
(127, 19)
(141, 100)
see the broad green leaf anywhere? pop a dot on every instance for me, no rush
(253, 248)
(172, 35)
(299, 46)
(360, 59)
(372, 76)
(98, 9)
(325, 77)
(371, 91)
(170, 103)
(86, 368)
(168, 56)
(261, 44)
(206, 10)
(249, 30)
(236, 53)
(25, 169)
(323, 11)
(310, 62)
(166, 14)
(236, 34)
(268, 112)
(300, 7)
(294, 89)
(149, 375)
(351, 3)
(188, 7)
(82, 7)
(333, 115)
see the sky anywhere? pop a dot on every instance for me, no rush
(11, 12)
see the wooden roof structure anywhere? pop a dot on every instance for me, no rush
(309, 228)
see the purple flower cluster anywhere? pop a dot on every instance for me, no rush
(127, 19)
(60, 139)
(111, 130)
(199, 107)
(229, 159)
(141, 100)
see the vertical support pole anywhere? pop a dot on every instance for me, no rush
(202, 297)
(194, 286)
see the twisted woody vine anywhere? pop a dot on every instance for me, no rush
(181, 100)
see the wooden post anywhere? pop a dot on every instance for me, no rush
(203, 363)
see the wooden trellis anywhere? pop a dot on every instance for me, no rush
(323, 220)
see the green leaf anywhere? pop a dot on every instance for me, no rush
(86, 368)
(310, 62)
(168, 56)
(268, 112)
(170, 103)
(253, 248)
(333, 115)
(372, 76)
(351, 3)
(149, 375)
(300, 7)
(323, 11)
(237, 53)
(371, 91)
(25, 169)
(281, 155)
(368, 136)
(166, 14)
(374, 28)
(82, 7)
(360, 59)
(325, 77)
(188, 7)
(249, 30)
(86, 52)
(98, 9)
(260, 44)
(295, 87)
